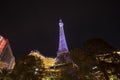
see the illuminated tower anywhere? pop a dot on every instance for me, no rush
(7, 59)
(63, 52)
(62, 41)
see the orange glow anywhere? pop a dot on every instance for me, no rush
(47, 61)
(2, 45)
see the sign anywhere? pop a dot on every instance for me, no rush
(2, 45)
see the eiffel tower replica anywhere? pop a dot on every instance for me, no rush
(63, 52)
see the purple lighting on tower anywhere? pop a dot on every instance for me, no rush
(62, 41)
(62, 54)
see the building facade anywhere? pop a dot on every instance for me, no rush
(7, 59)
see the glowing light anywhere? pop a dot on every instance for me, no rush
(94, 67)
(61, 23)
(118, 52)
(2, 45)
(36, 69)
(1, 38)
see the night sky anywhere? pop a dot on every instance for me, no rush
(34, 24)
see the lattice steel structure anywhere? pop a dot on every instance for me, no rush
(63, 51)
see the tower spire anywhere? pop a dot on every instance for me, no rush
(61, 24)
(62, 53)
(62, 40)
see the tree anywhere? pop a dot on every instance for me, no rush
(97, 46)
(84, 62)
(5, 74)
(28, 68)
(65, 75)
(110, 68)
